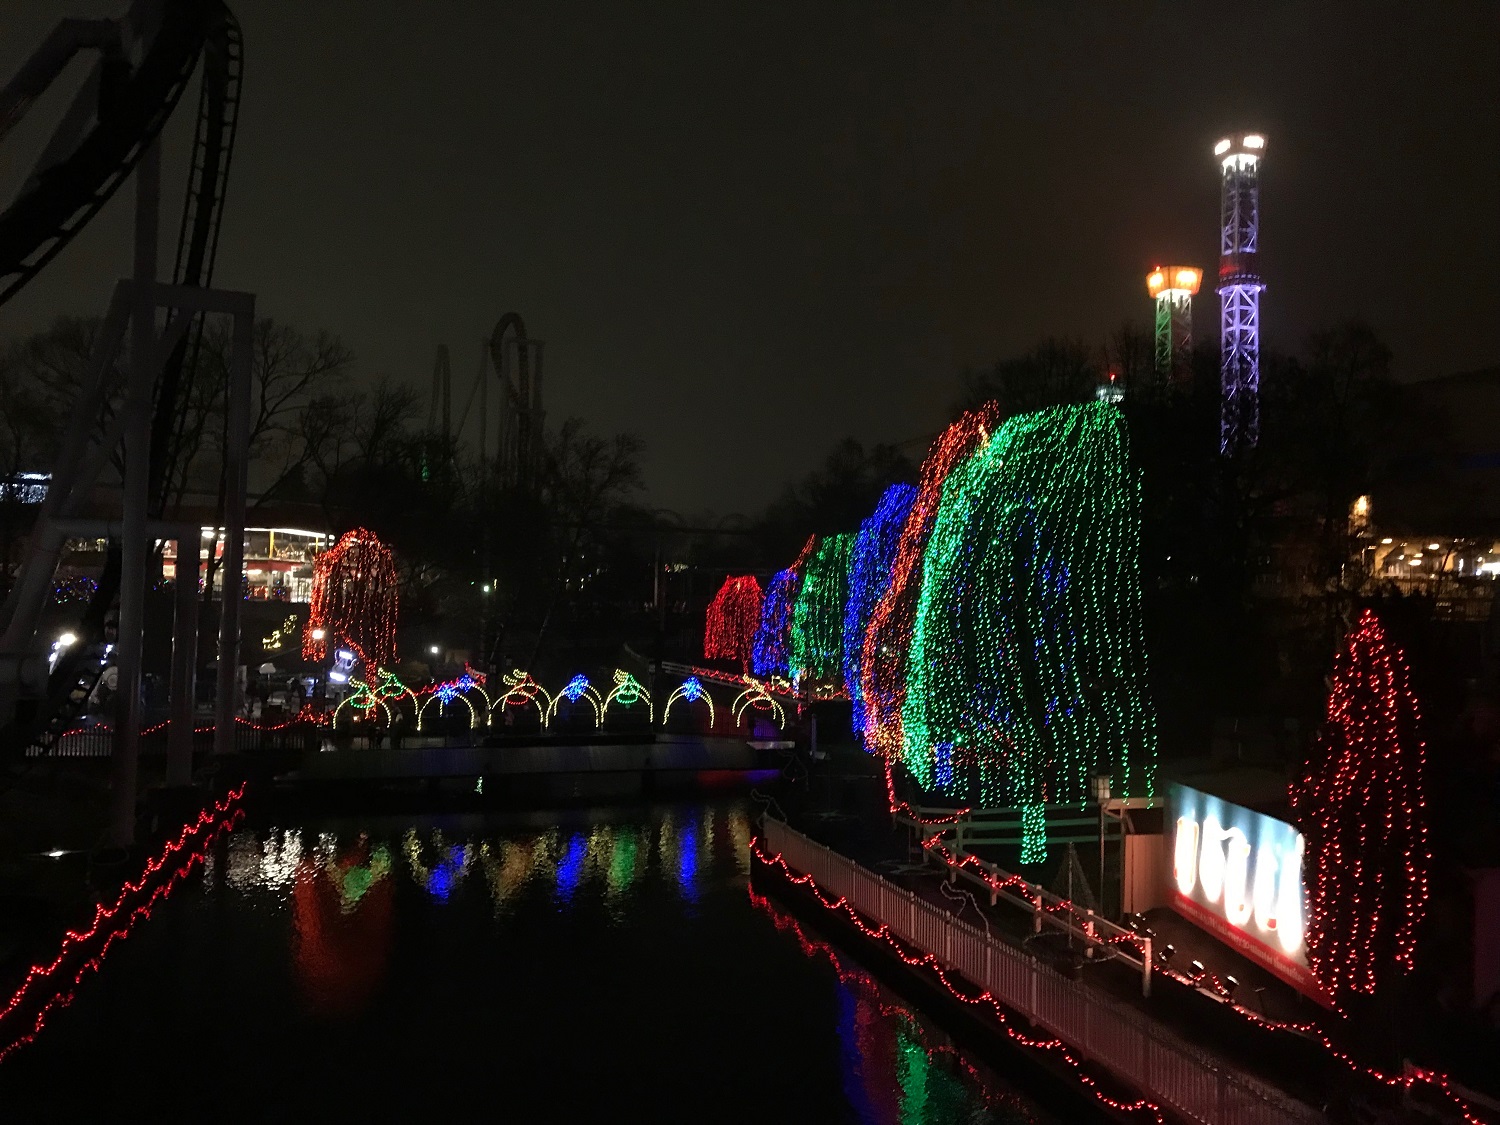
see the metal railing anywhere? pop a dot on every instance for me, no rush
(1138, 1051)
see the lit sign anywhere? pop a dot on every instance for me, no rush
(1238, 875)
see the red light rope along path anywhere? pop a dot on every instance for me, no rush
(812, 948)
(928, 961)
(1312, 1032)
(219, 816)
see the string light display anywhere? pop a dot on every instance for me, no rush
(869, 575)
(628, 692)
(521, 689)
(691, 690)
(353, 601)
(815, 649)
(1360, 805)
(888, 636)
(756, 698)
(1027, 660)
(87, 948)
(733, 617)
(576, 689)
(770, 651)
(947, 976)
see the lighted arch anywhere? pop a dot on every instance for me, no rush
(444, 695)
(692, 690)
(578, 688)
(755, 697)
(521, 689)
(627, 692)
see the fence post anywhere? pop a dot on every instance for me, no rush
(1146, 970)
(1036, 914)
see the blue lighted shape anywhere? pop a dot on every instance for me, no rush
(447, 693)
(570, 869)
(687, 862)
(943, 764)
(850, 1055)
(465, 682)
(575, 689)
(444, 876)
(870, 566)
(768, 656)
(692, 689)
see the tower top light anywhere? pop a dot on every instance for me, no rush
(1174, 281)
(1241, 149)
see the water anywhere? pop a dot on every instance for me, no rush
(573, 967)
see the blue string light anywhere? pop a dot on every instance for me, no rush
(870, 569)
(769, 653)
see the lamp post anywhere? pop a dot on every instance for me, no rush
(1099, 791)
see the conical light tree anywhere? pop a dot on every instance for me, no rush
(1360, 806)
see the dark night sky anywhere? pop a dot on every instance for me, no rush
(748, 229)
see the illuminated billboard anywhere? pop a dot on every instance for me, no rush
(1238, 875)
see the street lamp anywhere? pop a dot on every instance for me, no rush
(1099, 791)
(434, 650)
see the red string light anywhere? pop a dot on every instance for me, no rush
(928, 961)
(856, 980)
(353, 601)
(1417, 1077)
(1359, 804)
(733, 615)
(888, 636)
(107, 926)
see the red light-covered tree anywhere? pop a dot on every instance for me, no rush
(353, 601)
(729, 632)
(1360, 806)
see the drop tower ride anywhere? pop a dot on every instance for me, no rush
(1239, 290)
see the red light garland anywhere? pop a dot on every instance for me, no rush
(733, 615)
(928, 961)
(353, 600)
(75, 941)
(1359, 803)
(1415, 1078)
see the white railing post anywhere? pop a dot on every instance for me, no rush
(1146, 969)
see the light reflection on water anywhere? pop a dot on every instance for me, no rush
(609, 967)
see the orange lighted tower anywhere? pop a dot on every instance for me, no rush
(1173, 287)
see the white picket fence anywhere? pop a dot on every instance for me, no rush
(1140, 1053)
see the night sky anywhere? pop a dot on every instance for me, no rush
(746, 230)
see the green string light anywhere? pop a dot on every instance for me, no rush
(1026, 672)
(816, 650)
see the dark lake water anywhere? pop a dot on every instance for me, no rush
(598, 967)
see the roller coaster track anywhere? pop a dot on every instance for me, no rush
(60, 200)
(198, 237)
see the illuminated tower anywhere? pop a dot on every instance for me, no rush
(1239, 290)
(1173, 287)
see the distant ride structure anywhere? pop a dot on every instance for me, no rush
(1240, 284)
(1173, 289)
